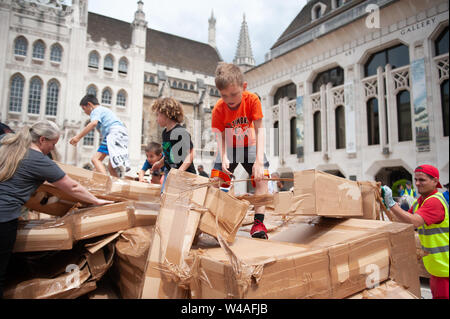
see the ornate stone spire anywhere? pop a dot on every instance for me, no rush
(139, 16)
(244, 55)
(212, 31)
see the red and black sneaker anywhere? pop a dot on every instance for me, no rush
(259, 230)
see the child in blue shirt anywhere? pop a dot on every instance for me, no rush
(114, 137)
(153, 151)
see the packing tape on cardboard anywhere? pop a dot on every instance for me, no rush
(242, 273)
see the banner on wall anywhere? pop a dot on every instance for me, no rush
(300, 128)
(350, 118)
(419, 93)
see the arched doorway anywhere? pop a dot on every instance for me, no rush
(389, 175)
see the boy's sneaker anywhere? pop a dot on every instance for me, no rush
(259, 230)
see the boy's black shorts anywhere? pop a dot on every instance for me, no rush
(241, 155)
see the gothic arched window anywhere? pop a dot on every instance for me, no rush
(39, 50)
(16, 93)
(56, 53)
(373, 126)
(106, 96)
(123, 66)
(34, 97)
(20, 46)
(397, 56)
(108, 64)
(335, 76)
(92, 90)
(93, 60)
(339, 114)
(317, 120)
(404, 116)
(121, 98)
(51, 107)
(289, 91)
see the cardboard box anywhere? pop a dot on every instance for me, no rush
(93, 181)
(73, 281)
(132, 249)
(282, 202)
(43, 235)
(113, 187)
(387, 290)
(371, 196)
(80, 224)
(176, 227)
(420, 254)
(403, 261)
(260, 269)
(52, 201)
(329, 259)
(319, 193)
(229, 212)
(133, 190)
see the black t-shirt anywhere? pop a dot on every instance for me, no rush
(33, 170)
(176, 145)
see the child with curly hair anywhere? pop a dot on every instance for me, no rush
(177, 145)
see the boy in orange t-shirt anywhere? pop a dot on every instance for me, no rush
(237, 120)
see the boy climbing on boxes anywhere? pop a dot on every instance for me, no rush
(237, 120)
(114, 137)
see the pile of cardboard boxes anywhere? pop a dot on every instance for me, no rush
(326, 240)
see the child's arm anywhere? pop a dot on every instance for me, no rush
(223, 152)
(141, 176)
(187, 161)
(157, 165)
(258, 166)
(74, 140)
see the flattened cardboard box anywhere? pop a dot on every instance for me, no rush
(263, 270)
(326, 260)
(319, 193)
(230, 213)
(132, 249)
(403, 261)
(77, 280)
(81, 224)
(51, 200)
(174, 232)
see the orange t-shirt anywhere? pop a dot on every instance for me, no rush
(238, 124)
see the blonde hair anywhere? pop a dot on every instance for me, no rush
(170, 108)
(227, 74)
(14, 146)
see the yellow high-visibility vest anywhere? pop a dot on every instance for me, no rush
(434, 240)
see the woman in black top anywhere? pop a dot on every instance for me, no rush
(24, 166)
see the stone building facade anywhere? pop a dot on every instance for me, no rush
(358, 89)
(53, 54)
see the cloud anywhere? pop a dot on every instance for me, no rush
(266, 19)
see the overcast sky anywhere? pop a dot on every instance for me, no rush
(266, 19)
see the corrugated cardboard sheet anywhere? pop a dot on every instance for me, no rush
(71, 281)
(79, 224)
(319, 193)
(329, 259)
(105, 185)
(175, 229)
(132, 249)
